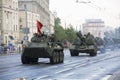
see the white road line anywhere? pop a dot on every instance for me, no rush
(106, 77)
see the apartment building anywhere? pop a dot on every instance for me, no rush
(52, 20)
(31, 24)
(9, 21)
(40, 7)
(95, 27)
(13, 19)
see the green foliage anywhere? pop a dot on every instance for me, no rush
(61, 34)
(59, 31)
(71, 34)
(57, 22)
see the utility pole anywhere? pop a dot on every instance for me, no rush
(76, 29)
(26, 29)
(26, 15)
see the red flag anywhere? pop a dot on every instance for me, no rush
(39, 26)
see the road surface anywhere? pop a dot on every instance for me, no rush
(82, 67)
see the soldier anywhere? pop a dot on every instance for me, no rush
(52, 38)
(82, 38)
(90, 39)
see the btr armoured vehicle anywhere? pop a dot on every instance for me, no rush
(83, 44)
(42, 46)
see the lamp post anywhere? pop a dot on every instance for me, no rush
(83, 1)
(67, 17)
(88, 2)
(26, 29)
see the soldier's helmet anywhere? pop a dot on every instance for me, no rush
(88, 33)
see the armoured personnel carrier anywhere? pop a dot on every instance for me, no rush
(42, 46)
(83, 44)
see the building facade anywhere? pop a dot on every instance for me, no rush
(13, 19)
(31, 24)
(9, 21)
(40, 7)
(95, 27)
(52, 24)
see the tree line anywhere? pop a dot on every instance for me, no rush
(62, 34)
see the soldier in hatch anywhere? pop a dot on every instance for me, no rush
(90, 39)
(52, 38)
(81, 37)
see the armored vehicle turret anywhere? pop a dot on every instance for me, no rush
(42, 46)
(83, 44)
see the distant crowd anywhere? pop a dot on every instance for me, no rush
(10, 48)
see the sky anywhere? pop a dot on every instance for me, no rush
(71, 12)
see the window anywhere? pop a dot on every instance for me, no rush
(20, 20)
(21, 27)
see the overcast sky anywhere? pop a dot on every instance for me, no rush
(75, 13)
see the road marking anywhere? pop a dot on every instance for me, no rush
(64, 70)
(20, 79)
(40, 77)
(106, 77)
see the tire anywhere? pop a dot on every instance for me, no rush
(57, 57)
(34, 60)
(25, 60)
(93, 53)
(74, 53)
(61, 57)
(53, 58)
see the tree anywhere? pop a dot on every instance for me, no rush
(71, 34)
(59, 31)
(57, 22)
(61, 34)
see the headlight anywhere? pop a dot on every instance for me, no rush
(23, 46)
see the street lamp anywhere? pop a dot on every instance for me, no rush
(67, 17)
(86, 2)
(83, 1)
(26, 29)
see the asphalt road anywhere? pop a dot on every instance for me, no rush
(82, 67)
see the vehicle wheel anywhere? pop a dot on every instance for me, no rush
(34, 60)
(94, 53)
(53, 58)
(25, 60)
(61, 57)
(57, 57)
(74, 54)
